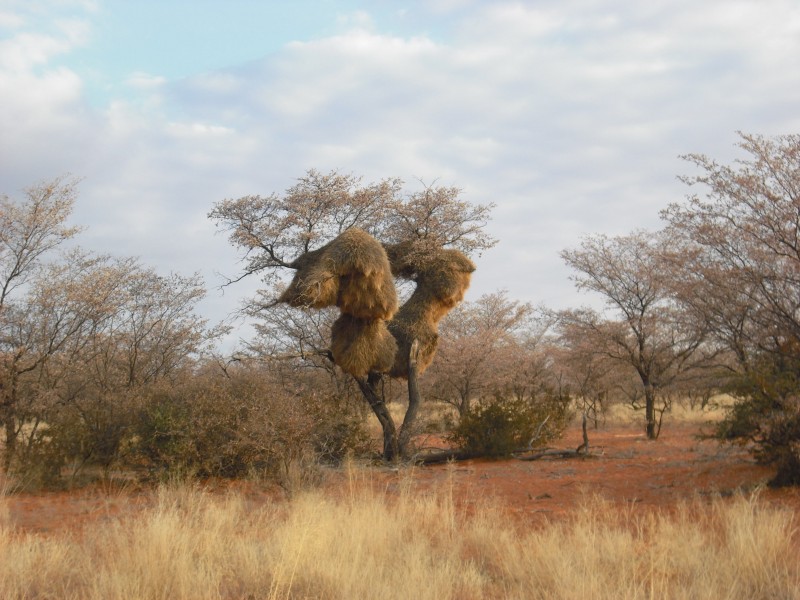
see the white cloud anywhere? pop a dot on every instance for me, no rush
(10, 20)
(145, 81)
(569, 116)
(26, 50)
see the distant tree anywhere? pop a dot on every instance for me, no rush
(740, 260)
(644, 329)
(95, 333)
(282, 233)
(478, 344)
(30, 228)
(592, 376)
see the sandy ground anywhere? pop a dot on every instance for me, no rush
(624, 468)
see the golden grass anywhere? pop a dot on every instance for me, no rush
(398, 543)
(680, 411)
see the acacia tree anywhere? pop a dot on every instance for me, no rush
(742, 261)
(592, 376)
(644, 331)
(30, 228)
(275, 233)
(480, 343)
(96, 331)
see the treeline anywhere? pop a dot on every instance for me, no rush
(107, 365)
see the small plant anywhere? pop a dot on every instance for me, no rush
(498, 427)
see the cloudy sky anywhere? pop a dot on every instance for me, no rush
(570, 116)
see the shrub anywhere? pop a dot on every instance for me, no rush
(244, 424)
(203, 423)
(60, 442)
(766, 414)
(498, 427)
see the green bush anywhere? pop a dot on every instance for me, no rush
(498, 427)
(766, 414)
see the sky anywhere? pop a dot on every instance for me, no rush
(570, 116)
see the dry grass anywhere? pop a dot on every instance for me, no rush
(680, 411)
(378, 543)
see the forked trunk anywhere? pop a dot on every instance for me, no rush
(395, 446)
(391, 450)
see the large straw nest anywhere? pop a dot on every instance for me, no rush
(355, 272)
(359, 345)
(313, 285)
(351, 272)
(441, 284)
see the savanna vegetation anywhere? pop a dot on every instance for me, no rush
(368, 542)
(106, 365)
(364, 347)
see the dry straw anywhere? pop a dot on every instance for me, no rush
(359, 346)
(351, 272)
(356, 273)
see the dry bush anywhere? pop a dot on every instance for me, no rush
(246, 424)
(247, 421)
(370, 543)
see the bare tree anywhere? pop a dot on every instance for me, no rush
(273, 231)
(588, 371)
(96, 331)
(480, 343)
(645, 330)
(30, 228)
(743, 242)
(741, 265)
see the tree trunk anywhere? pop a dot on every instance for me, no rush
(395, 446)
(11, 439)
(584, 447)
(409, 421)
(9, 423)
(391, 451)
(650, 412)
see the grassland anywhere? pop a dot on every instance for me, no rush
(362, 541)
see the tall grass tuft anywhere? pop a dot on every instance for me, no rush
(398, 542)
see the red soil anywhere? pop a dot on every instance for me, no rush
(624, 468)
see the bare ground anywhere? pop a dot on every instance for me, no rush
(624, 468)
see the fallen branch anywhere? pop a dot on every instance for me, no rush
(577, 453)
(443, 456)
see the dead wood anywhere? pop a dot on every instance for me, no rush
(553, 453)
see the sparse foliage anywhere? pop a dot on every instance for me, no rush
(741, 260)
(479, 347)
(30, 229)
(423, 235)
(644, 330)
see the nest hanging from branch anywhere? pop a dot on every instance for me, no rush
(360, 346)
(442, 279)
(356, 273)
(351, 272)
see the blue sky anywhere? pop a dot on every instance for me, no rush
(570, 116)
